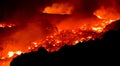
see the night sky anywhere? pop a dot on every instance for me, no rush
(9, 7)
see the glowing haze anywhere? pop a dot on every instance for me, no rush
(53, 24)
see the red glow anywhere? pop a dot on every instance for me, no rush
(3, 25)
(59, 8)
(69, 31)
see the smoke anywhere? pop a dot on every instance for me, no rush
(8, 8)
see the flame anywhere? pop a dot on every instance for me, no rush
(53, 42)
(59, 8)
(58, 39)
(107, 13)
(19, 52)
(3, 25)
(10, 54)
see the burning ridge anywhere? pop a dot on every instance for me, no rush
(54, 25)
(107, 46)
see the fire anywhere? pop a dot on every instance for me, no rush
(62, 36)
(10, 54)
(59, 8)
(5, 61)
(98, 29)
(3, 25)
(107, 13)
(19, 52)
(2, 57)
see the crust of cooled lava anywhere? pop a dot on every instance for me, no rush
(97, 51)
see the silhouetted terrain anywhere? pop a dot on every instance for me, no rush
(100, 51)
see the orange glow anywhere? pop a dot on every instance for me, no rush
(98, 29)
(107, 13)
(59, 8)
(76, 42)
(58, 39)
(18, 52)
(10, 54)
(67, 32)
(2, 57)
(3, 25)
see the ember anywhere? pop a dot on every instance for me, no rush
(3, 25)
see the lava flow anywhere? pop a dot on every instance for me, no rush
(57, 25)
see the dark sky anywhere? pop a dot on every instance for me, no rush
(9, 7)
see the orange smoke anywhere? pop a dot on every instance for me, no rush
(107, 13)
(59, 8)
